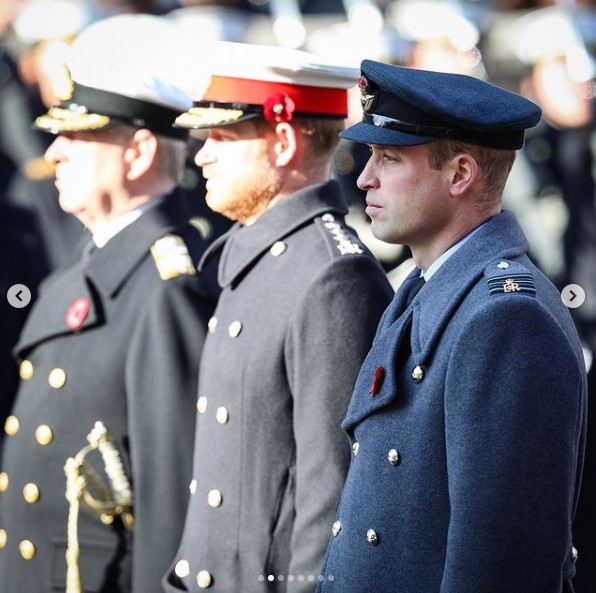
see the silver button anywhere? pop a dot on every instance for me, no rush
(212, 324)
(336, 528)
(182, 568)
(393, 457)
(193, 486)
(277, 248)
(328, 218)
(372, 537)
(214, 498)
(202, 404)
(418, 374)
(574, 554)
(204, 579)
(355, 448)
(235, 329)
(222, 415)
(503, 265)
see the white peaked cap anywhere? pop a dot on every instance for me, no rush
(120, 73)
(128, 54)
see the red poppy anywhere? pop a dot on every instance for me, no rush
(278, 108)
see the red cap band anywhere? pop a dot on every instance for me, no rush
(307, 99)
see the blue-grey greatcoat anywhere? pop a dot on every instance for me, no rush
(114, 338)
(467, 425)
(301, 300)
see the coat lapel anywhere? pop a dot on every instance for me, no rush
(245, 244)
(423, 322)
(97, 277)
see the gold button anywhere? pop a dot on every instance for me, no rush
(372, 537)
(193, 487)
(182, 568)
(3, 538)
(44, 434)
(336, 528)
(202, 404)
(3, 481)
(30, 493)
(27, 549)
(235, 329)
(214, 498)
(11, 426)
(277, 248)
(356, 448)
(57, 378)
(393, 457)
(212, 324)
(222, 415)
(26, 370)
(204, 579)
(418, 374)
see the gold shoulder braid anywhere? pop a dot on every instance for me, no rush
(83, 484)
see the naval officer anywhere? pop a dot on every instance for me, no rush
(109, 354)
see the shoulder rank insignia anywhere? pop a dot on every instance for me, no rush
(345, 243)
(510, 278)
(172, 258)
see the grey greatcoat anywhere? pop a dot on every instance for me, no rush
(115, 338)
(467, 426)
(301, 301)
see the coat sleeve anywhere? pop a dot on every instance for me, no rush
(332, 332)
(161, 377)
(514, 402)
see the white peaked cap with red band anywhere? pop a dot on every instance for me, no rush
(240, 81)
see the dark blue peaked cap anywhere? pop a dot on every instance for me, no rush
(404, 106)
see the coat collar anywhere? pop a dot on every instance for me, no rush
(109, 267)
(242, 245)
(500, 238)
(423, 322)
(103, 272)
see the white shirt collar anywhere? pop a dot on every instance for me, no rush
(428, 274)
(112, 227)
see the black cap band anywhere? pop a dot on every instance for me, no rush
(135, 112)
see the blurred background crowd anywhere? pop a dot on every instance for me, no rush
(542, 49)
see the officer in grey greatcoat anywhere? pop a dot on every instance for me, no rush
(99, 442)
(301, 299)
(467, 421)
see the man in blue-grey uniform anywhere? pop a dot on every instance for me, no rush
(98, 446)
(301, 299)
(467, 421)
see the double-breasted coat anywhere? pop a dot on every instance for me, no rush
(301, 299)
(467, 425)
(115, 338)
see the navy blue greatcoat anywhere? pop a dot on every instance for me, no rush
(301, 300)
(114, 338)
(467, 425)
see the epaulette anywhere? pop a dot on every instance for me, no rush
(172, 258)
(509, 277)
(346, 242)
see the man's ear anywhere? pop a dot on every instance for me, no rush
(285, 144)
(464, 173)
(141, 153)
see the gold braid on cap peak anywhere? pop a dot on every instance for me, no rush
(207, 116)
(66, 120)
